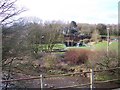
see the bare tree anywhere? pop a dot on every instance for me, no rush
(44, 37)
(8, 9)
(102, 29)
(96, 35)
(52, 35)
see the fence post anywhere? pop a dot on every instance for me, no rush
(91, 79)
(41, 82)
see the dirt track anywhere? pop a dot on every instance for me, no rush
(63, 82)
(59, 82)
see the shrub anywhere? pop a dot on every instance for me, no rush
(50, 61)
(100, 40)
(86, 41)
(55, 72)
(76, 68)
(77, 56)
(102, 60)
(91, 40)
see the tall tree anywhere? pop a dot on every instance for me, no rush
(95, 35)
(73, 28)
(52, 36)
(102, 29)
(44, 37)
(73, 24)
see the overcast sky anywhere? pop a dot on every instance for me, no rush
(82, 11)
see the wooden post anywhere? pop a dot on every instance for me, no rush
(108, 41)
(91, 78)
(1, 84)
(41, 81)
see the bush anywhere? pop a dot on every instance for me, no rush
(50, 61)
(91, 40)
(77, 56)
(55, 72)
(101, 59)
(86, 41)
(100, 40)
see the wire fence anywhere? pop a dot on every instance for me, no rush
(91, 83)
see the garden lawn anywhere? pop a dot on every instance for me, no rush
(99, 46)
(59, 46)
(81, 47)
(103, 45)
(44, 46)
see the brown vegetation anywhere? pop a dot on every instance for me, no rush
(77, 56)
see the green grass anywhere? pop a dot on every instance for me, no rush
(114, 46)
(104, 77)
(82, 47)
(45, 46)
(99, 46)
(103, 45)
(59, 46)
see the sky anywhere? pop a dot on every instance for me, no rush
(82, 11)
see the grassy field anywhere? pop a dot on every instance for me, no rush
(103, 45)
(98, 46)
(59, 46)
